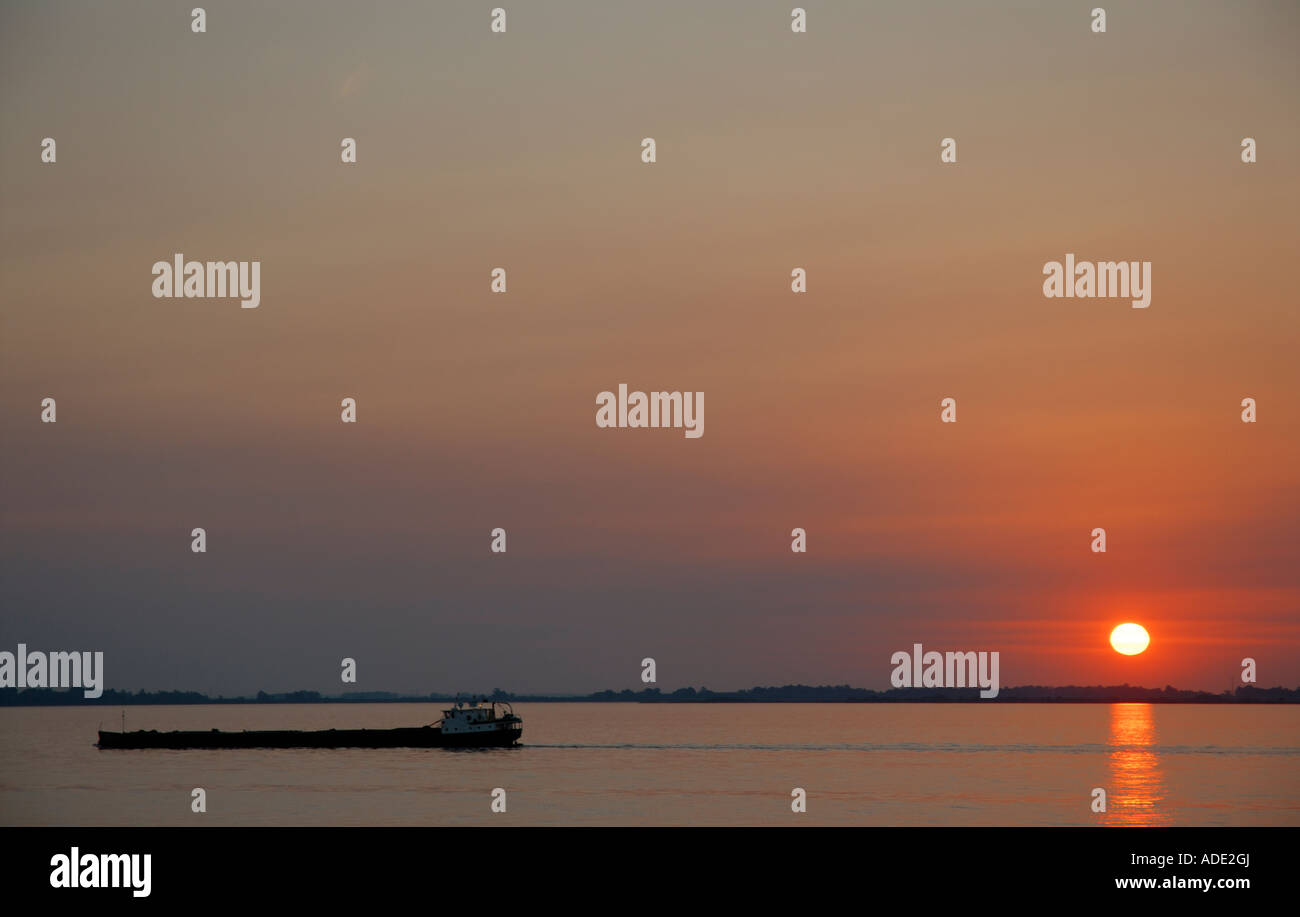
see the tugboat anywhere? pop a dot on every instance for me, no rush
(468, 724)
(476, 725)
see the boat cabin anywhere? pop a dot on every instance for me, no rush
(467, 717)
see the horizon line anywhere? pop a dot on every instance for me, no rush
(759, 693)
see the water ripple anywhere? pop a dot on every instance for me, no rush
(951, 747)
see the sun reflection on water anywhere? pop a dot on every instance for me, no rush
(1137, 791)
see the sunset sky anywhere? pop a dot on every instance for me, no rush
(476, 410)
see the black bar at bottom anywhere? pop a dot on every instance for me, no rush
(621, 868)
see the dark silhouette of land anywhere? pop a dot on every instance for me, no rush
(1028, 694)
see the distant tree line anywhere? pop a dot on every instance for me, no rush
(1245, 694)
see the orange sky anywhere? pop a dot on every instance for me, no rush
(477, 410)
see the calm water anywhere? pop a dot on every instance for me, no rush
(677, 764)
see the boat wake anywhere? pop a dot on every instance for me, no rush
(1091, 749)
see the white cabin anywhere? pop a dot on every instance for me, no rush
(468, 717)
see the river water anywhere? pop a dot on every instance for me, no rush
(677, 764)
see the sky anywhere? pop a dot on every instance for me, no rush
(476, 410)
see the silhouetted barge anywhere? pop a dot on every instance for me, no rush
(466, 725)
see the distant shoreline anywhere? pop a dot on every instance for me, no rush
(837, 694)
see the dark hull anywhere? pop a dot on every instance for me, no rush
(417, 737)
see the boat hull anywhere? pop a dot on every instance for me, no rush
(416, 737)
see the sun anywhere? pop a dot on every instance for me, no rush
(1130, 639)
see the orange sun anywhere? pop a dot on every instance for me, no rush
(1130, 639)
